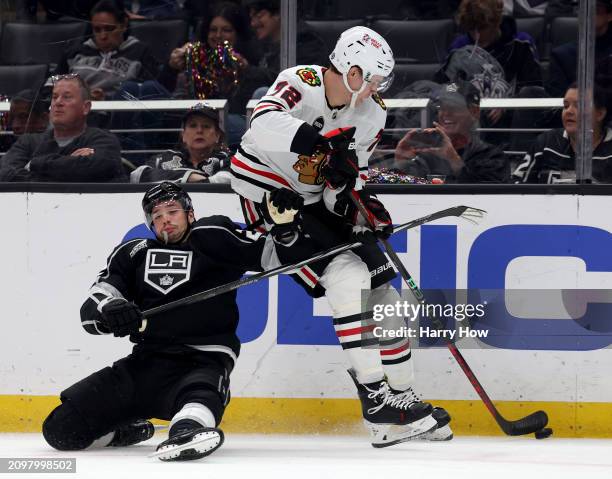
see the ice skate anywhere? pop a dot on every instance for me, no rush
(392, 418)
(132, 433)
(443, 431)
(188, 440)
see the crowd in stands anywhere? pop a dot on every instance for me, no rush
(231, 50)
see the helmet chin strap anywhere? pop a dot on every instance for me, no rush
(354, 93)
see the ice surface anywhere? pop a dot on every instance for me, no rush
(351, 457)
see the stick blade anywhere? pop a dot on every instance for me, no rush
(527, 425)
(471, 214)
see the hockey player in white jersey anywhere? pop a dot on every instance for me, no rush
(313, 132)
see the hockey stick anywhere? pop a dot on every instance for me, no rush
(465, 212)
(529, 424)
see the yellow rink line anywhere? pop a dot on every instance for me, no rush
(342, 416)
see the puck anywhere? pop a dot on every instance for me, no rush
(543, 433)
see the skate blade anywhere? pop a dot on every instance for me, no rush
(391, 434)
(201, 445)
(443, 433)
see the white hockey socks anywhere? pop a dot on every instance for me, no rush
(395, 353)
(344, 279)
(196, 412)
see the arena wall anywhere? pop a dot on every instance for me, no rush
(291, 374)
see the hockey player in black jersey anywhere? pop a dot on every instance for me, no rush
(314, 132)
(181, 361)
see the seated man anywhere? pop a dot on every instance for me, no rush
(452, 148)
(552, 159)
(71, 151)
(180, 366)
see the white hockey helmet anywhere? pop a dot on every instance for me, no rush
(363, 47)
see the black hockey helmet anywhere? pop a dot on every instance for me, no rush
(162, 193)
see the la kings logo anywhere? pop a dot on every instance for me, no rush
(166, 269)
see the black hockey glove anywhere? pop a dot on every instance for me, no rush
(341, 166)
(121, 317)
(281, 209)
(378, 224)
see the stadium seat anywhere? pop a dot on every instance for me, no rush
(15, 78)
(329, 30)
(424, 41)
(162, 36)
(406, 73)
(563, 30)
(27, 44)
(536, 27)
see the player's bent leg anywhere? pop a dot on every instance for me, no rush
(65, 429)
(97, 412)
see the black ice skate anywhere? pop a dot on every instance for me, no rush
(189, 440)
(132, 433)
(392, 418)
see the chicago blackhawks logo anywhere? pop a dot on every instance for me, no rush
(376, 97)
(309, 167)
(309, 76)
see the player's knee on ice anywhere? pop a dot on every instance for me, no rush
(65, 429)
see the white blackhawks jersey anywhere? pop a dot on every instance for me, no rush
(269, 155)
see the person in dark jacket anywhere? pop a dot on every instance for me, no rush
(71, 151)
(564, 58)
(485, 26)
(453, 149)
(115, 66)
(552, 159)
(266, 23)
(203, 157)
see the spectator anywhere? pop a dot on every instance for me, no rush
(553, 156)
(564, 58)
(202, 157)
(71, 151)
(266, 23)
(115, 66)
(227, 24)
(28, 113)
(515, 51)
(455, 152)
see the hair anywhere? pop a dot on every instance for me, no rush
(273, 6)
(115, 8)
(601, 99)
(235, 15)
(83, 86)
(478, 14)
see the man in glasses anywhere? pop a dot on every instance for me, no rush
(313, 132)
(69, 152)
